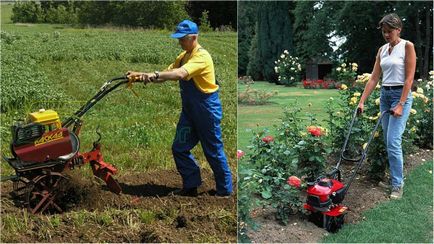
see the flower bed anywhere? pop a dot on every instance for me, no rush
(320, 84)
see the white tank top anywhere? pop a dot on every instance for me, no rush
(393, 64)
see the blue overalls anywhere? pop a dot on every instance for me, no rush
(200, 121)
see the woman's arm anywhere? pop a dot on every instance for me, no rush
(410, 68)
(373, 81)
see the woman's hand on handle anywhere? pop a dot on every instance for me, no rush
(397, 110)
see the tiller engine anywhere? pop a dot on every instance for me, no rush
(326, 193)
(43, 148)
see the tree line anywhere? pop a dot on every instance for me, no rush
(309, 29)
(145, 14)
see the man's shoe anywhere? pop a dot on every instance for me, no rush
(186, 192)
(229, 195)
(396, 192)
(219, 195)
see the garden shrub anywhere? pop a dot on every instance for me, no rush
(251, 96)
(288, 69)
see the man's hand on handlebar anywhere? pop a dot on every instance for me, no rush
(141, 77)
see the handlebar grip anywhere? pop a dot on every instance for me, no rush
(359, 111)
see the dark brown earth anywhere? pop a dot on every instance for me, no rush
(205, 218)
(363, 194)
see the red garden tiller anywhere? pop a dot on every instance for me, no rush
(326, 193)
(43, 148)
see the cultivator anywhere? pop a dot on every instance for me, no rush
(326, 193)
(43, 148)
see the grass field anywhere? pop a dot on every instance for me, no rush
(265, 116)
(409, 220)
(137, 132)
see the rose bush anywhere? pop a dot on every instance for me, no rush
(288, 69)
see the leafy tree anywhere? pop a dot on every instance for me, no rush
(274, 34)
(254, 68)
(26, 12)
(358, 22)
(418, 28)
(204, 22)
(312, 26)
(247, 18)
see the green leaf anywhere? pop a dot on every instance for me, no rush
(266, 194)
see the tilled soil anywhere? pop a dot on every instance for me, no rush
(362, 195)
(205, 218)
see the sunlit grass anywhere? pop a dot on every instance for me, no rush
(265, 116)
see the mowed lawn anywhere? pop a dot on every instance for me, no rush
(265, 116)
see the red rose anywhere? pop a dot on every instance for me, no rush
(315, 131)
(240, 154)
(294, 181)
(268, 139)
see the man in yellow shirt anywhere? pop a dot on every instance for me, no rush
(201, 112)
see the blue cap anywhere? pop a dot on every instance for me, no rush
(184, 28)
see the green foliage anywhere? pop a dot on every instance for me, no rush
(312, 152)
(23, 84)
(421, 120)
(61, 15)
(254, 65)
(248, 187)
(119, 13)
(252, 96)
(271, 161)
(274, 35)
(246, 31)
(288, 69)
(26, 12)
(205, 26)
(346, 74)
(313, 24)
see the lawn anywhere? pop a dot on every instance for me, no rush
(409, 220)
(265, 116)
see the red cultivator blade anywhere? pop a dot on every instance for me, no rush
(104, 171)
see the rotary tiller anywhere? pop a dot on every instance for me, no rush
(43, 148)
(326, 193)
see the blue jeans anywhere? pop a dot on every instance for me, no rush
(393, 128)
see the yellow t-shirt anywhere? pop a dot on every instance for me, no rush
(200, 68)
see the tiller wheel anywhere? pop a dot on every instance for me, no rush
(43, 191)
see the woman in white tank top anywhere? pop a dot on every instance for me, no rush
(396, 63)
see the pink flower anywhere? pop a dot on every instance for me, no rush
(294, 181)
(268, 139)
(240, 154)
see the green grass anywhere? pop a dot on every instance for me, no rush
(137, 131)
(409, 220)
(265, 116)
(6, 13)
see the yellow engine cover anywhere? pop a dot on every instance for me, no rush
(45, 117)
